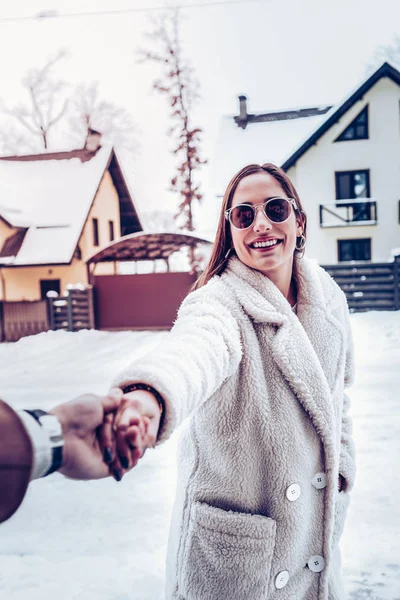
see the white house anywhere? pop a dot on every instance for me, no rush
(344, 161)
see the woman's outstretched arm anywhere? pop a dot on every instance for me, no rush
(202, 350)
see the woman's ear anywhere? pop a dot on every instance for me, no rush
(299, 224)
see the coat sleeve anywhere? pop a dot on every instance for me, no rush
(347, 465)
(202, 350)
(16, 458)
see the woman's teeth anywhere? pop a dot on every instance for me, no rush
(265, 244)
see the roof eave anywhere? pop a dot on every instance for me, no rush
(385, 70)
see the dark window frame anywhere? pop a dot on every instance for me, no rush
(354, 125)
(353, 172)
(56, 284)
(111, 230)
(95, 231)
(355, 241)
(362, 210)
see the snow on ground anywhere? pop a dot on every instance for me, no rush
(104, 540)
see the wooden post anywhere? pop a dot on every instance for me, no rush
(70, 316)
(396, 273)
(2, 329)
(3, 285)
(92, 320)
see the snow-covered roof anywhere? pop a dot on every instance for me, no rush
(386, 69)
(260, 142)
(51, 198)
(281, 137)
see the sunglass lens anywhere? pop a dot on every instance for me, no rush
(278, 210)
(242, 216)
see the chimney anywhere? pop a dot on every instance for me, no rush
(93, 140)
(242, 119)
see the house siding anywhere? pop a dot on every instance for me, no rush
(314, 175)
(105, 208)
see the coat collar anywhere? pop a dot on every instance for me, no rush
(263, 301)
(308, 349)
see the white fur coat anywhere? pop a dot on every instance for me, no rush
(257, 514)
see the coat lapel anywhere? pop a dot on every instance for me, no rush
(306, 348)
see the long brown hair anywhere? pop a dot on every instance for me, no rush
(223, 239)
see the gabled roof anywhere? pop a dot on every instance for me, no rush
(266, 137)
(280, 137)
(385, 70)
(50, 196)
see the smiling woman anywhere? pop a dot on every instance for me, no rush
(267, 459)
(266, 239)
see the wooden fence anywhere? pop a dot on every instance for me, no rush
(369, 286)
(19, 319)
(72, 311)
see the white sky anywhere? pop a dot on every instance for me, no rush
(280, 54)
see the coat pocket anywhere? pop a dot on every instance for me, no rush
(341, 507)
(227, 555)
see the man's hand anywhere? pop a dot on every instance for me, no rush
(80, 418)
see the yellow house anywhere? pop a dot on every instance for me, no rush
(56, 210)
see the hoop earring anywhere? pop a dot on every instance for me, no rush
(301, 244)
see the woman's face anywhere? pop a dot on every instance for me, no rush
(276, 260)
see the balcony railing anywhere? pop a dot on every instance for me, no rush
(348, 213)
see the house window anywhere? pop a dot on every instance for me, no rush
(111, 230)
(95, 223)
(358, 128)
(49, 285)
(354, 249)
(354, 185)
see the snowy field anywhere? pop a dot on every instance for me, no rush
(104, 540)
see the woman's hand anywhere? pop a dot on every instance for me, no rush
(126, 435)
(80, 420)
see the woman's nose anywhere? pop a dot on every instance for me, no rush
(261, 223)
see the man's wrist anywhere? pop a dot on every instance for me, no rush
(41, 447)
(51, 441)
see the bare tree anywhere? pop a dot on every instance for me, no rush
(13, 140)
(51, 101)
(46, 106)
(391, 53)
(178, 84)
(88, 111)
(158, 220)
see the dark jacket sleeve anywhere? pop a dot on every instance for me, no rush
(16, 457)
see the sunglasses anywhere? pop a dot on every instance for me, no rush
(277, 210)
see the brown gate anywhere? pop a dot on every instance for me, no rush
(148, 301)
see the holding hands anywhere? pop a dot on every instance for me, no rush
(127, 432)
(107, 435)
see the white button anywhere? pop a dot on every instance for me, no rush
(319, 481)
(281, 579)
(316, 563)
(293, 492)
